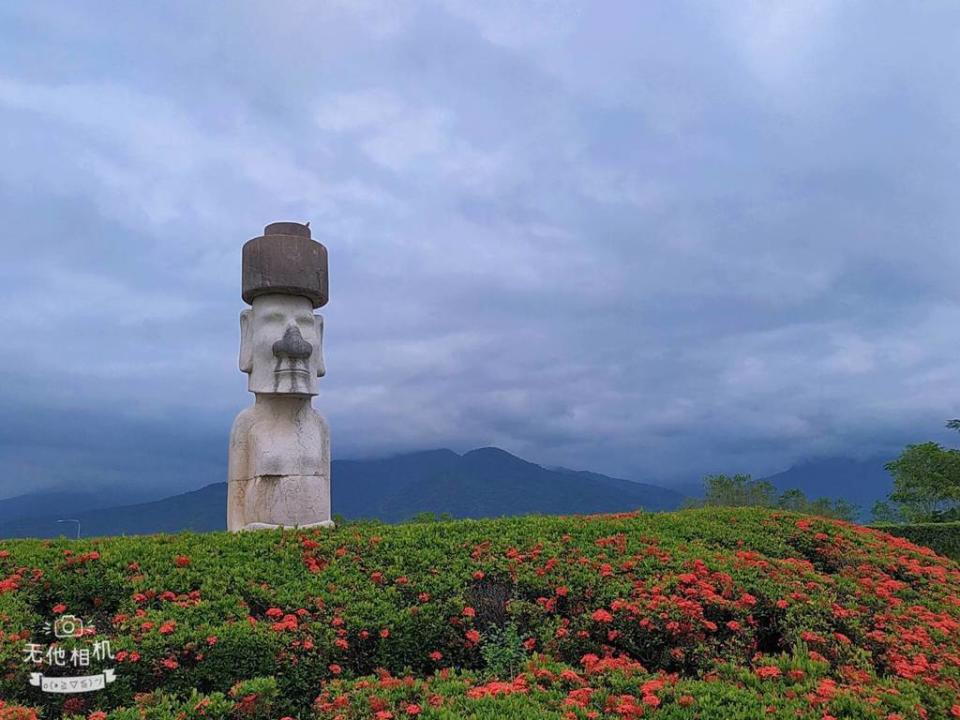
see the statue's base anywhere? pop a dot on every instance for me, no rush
(270, 526)
(268, 502)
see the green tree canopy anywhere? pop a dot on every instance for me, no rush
(926, 481)
(741, 490)
(886, 512)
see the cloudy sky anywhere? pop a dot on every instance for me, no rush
(649, 239)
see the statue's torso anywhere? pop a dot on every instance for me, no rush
(279, 466)
(264, 442)
(282, 447)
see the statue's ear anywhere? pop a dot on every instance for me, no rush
(246, 341)
(318, 322)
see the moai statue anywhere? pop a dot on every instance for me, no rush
(279, 461)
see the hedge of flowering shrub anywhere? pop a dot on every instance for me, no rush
(713, 613)
(943, 537)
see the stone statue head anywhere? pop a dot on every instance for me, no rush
(281, 339)
(281, 345)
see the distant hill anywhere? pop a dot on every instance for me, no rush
(65, 503)
(481, 483)
(861, 482)
(488, 482)
(200, 510)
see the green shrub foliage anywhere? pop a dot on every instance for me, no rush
(710, 613)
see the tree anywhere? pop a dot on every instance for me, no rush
(926, 481)
(884, 512)
(738, 491)
(845, 510)
(741, 490)
(840, 509)
(795, 500)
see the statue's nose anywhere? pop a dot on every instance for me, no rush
(292, 345)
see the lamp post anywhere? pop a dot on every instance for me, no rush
(72, 520)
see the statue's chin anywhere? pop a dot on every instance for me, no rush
(283, 388)
(283, 394)
(295, 375)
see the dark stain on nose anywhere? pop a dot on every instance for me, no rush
(292, 345)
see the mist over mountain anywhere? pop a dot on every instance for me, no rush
(861, 482)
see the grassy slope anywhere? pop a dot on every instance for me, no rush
(678, 613)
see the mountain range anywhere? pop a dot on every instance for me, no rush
(486, 482)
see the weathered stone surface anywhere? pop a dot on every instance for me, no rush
(281, 345)
(279, 456)
(285, 260)
(279, 466)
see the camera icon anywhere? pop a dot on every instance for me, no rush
(68, 626)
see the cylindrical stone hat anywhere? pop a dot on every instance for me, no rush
(285, 260)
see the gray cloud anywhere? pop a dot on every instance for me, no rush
(653, 240)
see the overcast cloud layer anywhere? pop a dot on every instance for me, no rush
(648, 239)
